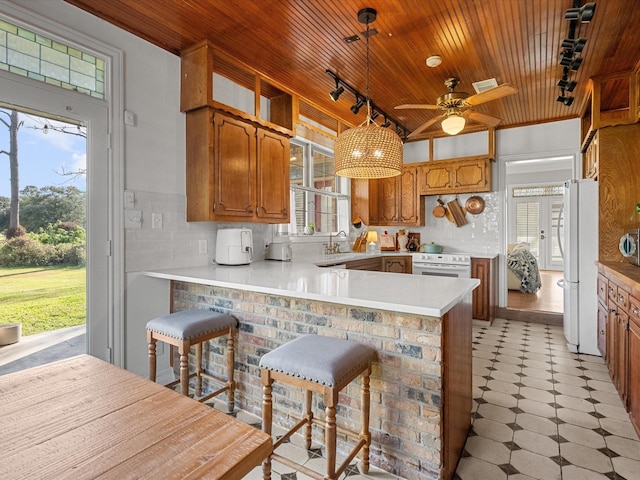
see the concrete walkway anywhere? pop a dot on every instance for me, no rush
(34, 350)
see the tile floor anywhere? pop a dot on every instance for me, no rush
(540, 412)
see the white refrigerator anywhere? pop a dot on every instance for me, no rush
(579, 246)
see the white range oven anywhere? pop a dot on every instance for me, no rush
(442, 264)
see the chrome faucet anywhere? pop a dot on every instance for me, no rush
(333, 248)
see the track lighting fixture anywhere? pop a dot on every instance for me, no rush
(567, 101)
(342, 86)
(575, 46)
(582, 14)
(355, 108)
(567, 85)
(336, 93)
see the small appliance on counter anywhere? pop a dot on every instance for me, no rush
(234, 246)
(279, 251)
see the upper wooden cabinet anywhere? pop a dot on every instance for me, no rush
(237, 161)
(443, 177)
(271, 106)
(388, 201)
(235, 171)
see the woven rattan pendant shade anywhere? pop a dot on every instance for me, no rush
(368, 151)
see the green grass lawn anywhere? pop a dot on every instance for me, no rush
(43, 298)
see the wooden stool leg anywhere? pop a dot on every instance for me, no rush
(308, 416)
(231, 399)
(267, 417)
(331, 399)
(183, 351)
(198, 369)
(364, 429)
(152, 355)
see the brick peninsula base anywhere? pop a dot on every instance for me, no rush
(421, 381)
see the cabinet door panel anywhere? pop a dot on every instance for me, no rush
(273, 176)
(469, 175)
(409, 205)
(235, 168)
(435, 177)
(602, 330)
(634, 373)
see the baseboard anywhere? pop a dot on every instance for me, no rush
(531, 316)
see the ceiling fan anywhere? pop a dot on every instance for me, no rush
(457, 107)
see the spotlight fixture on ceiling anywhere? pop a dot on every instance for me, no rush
(375, 111)
(355, 108)
(567, 101)
(575, 46)
(567, 85)
(368, 150)
(582, 14)
(335, 94)
(571, 46)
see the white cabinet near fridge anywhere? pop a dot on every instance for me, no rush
(579, 246)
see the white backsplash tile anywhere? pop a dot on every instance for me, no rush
(480, 235)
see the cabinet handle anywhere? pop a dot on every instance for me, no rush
(635, 311)
(601, 332)
(214, 206)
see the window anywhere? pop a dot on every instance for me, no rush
(35, 56)
(318, 196)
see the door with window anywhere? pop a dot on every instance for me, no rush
(535, 221)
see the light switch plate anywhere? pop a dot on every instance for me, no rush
(129, 199)
(132, 218)
(156, 221)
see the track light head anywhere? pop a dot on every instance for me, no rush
(583, 14)
(374, 115)
(575, 64)
(336, 93)
(574, 45)
(386, 123)
(567, 85)
(355, 108)
(567, 101)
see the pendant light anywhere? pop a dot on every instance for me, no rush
(368, 150)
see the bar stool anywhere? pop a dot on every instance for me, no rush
(323, 365)
(193, 327)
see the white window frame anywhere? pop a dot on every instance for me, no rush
(342, 194)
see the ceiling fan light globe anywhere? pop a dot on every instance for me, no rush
(453, 124)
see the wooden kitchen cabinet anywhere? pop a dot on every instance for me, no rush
(634, 364)
(388, 201)
(443, 177)
(484, 296)
(622, 283)
(236, 171)
(397, 264)
(603, 315)
(373, 264)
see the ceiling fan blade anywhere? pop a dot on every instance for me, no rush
(481, 118)
(408, 106)
(424, 126)
(493, 94)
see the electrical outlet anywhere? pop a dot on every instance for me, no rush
(129, 199)
(156, 221)
(132, 218)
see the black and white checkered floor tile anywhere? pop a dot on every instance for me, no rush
(540, 412)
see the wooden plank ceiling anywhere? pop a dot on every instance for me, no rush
(294, 42)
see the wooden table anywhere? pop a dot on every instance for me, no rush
(83, 418)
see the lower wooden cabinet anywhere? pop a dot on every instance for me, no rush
(619, 324)
(373, 264)
(397, 264)
(484, 297)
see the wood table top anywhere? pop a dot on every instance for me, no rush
(83, 418)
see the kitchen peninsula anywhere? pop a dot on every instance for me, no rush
(419, 325)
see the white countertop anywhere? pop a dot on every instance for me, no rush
(417, 294)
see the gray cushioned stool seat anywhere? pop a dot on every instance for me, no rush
(191, 323)
(319, 359)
